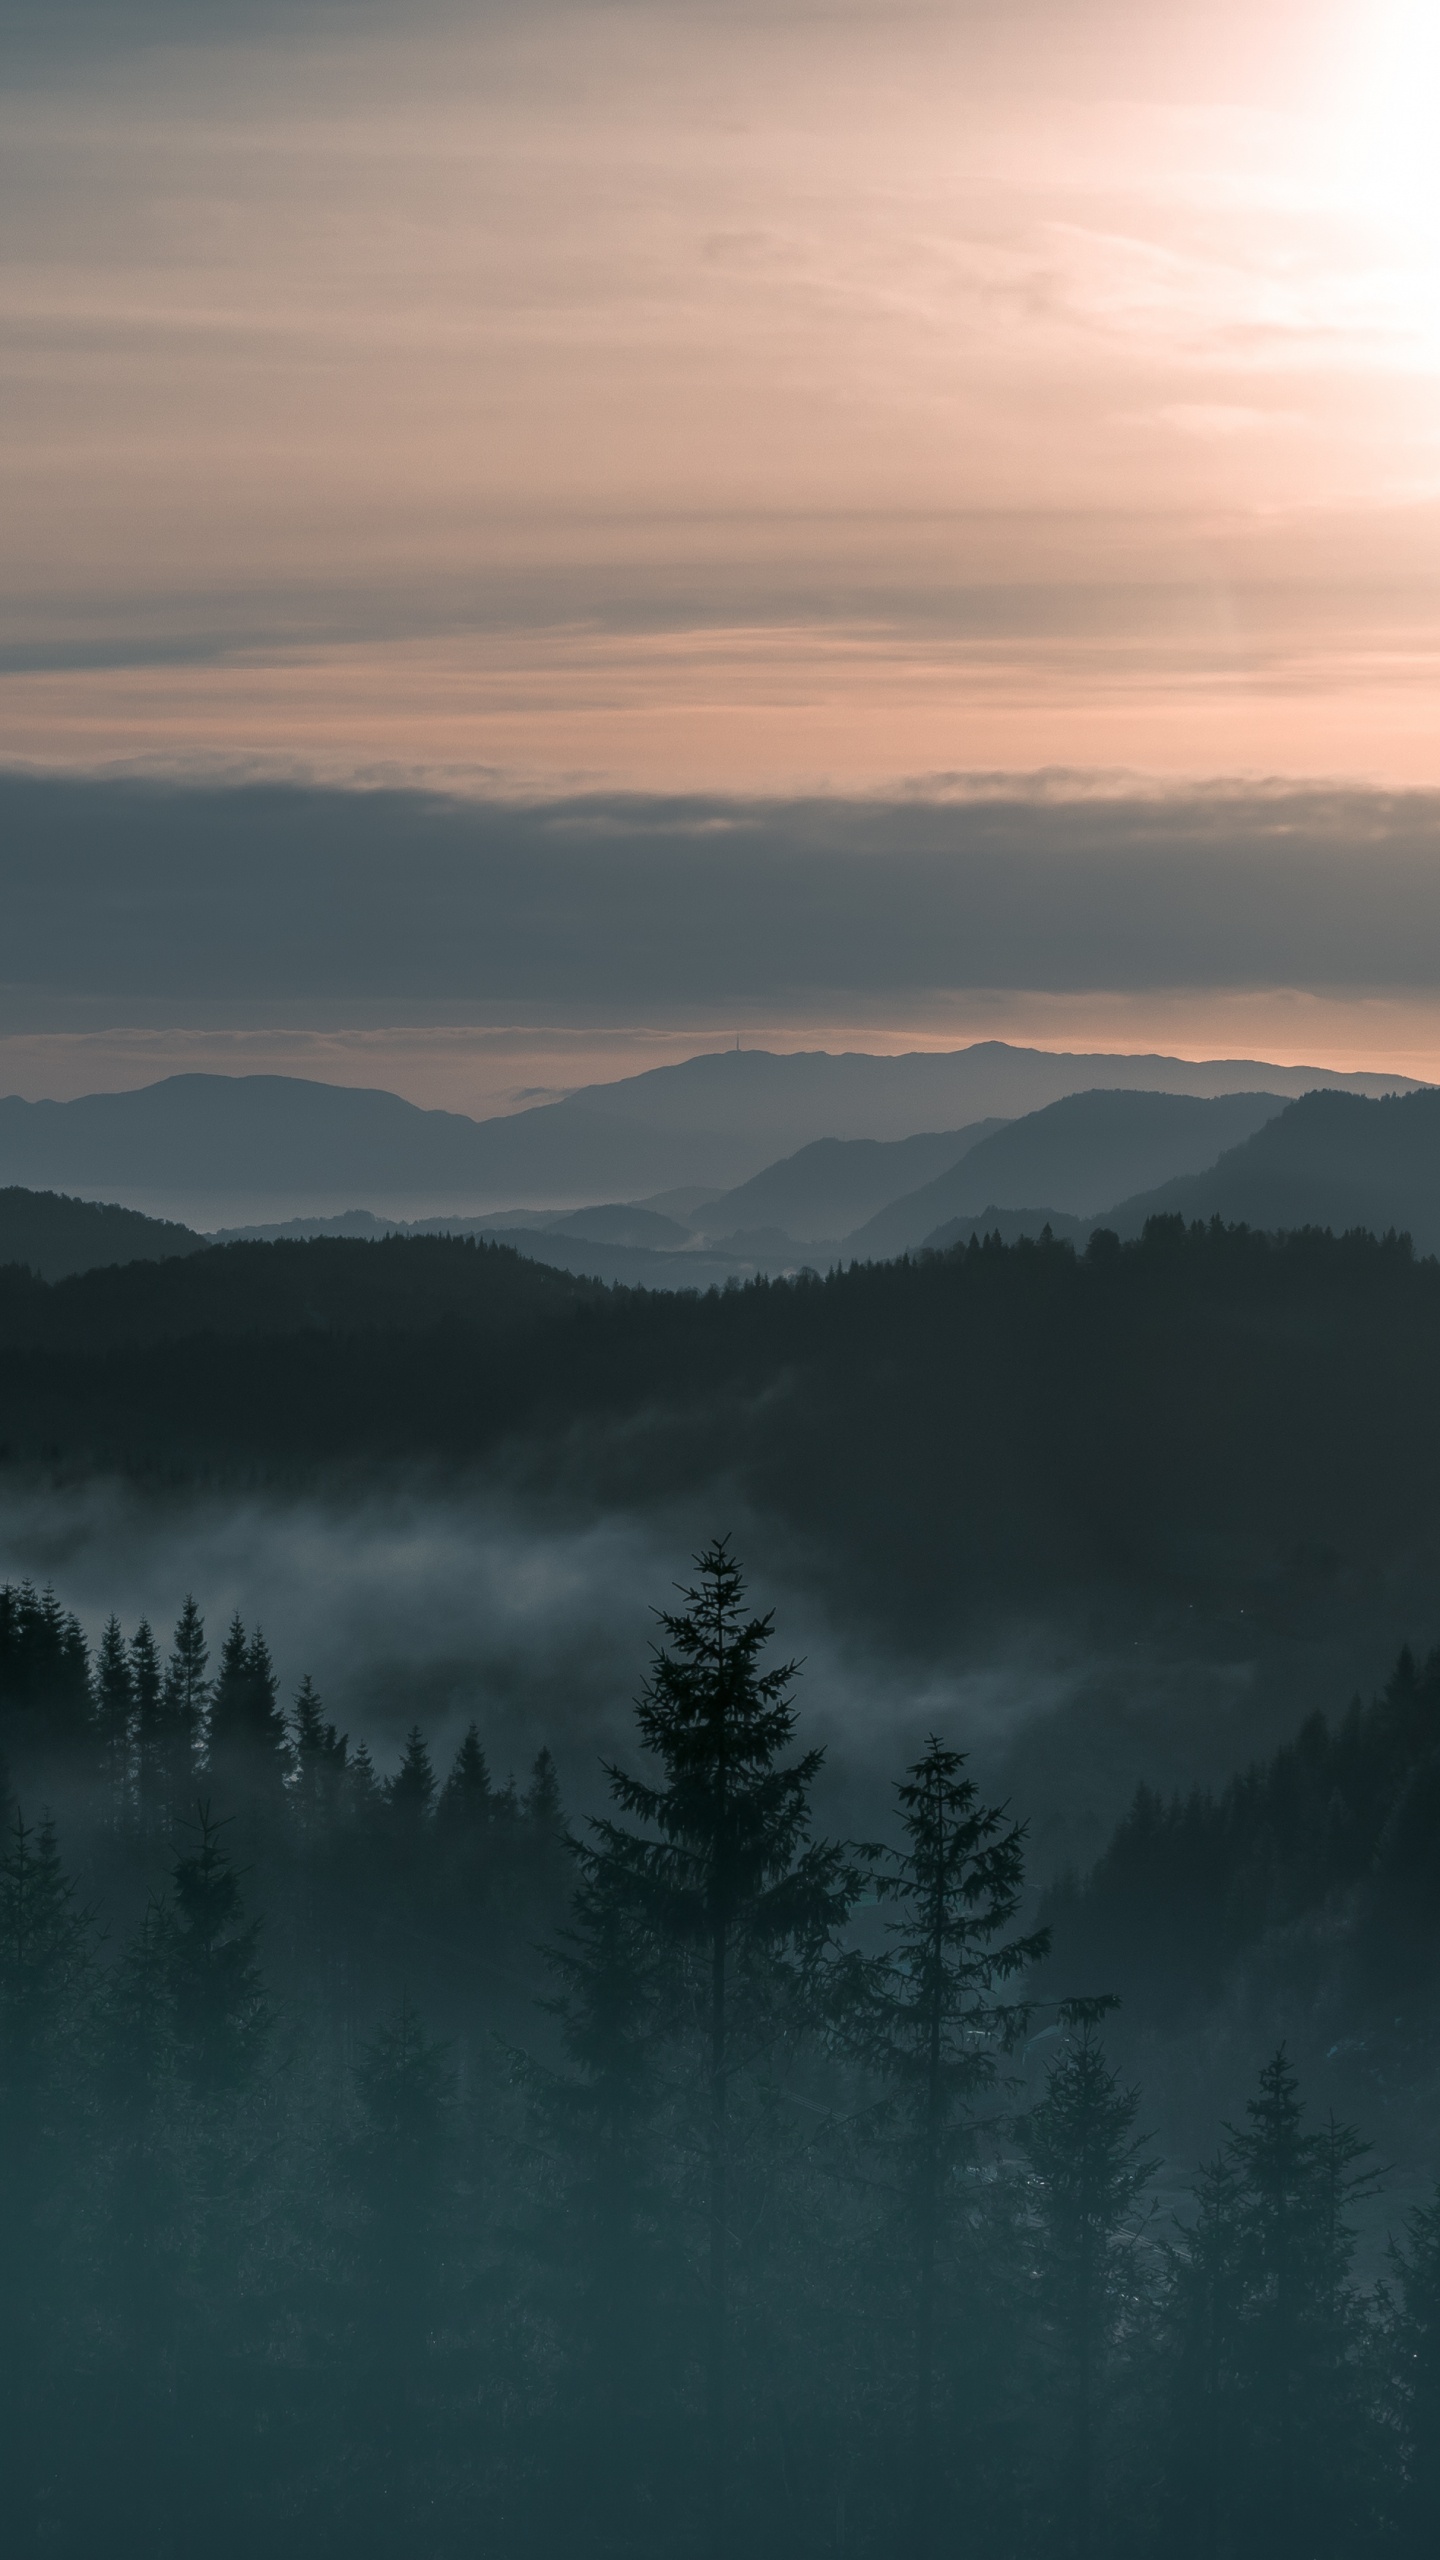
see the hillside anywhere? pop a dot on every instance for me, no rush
(53, 1235)
(946, 1442)
(329, 1287)
(1074, 1156)
(1332, 1160)
(1306, 1887)
(244, 1150)
(825, 1189)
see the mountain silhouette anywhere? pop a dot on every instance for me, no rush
(1074, 1157)
(1330, 1160)
(232, 1149)
(53, 1235)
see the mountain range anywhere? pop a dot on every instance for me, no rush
(227, 1150)
(1329, 1159)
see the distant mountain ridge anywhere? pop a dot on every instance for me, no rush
(1074, 1157)
(1331, 1160)
(825, 1189)
(237, 1149)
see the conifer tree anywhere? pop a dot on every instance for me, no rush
(542, 1807)
(249, 1748)
(410, 1794)
(1205, 2293)
(727, 1878)
(115, 1716)
(931, 2025)
(320, 1755)
(1089, 2172)
(364, 1795)
(213, 1976)
(465, 1803)
(601, 2119)
(1296, 2462)
(147, 1683)
(170, 1755)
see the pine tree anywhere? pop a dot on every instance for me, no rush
(115, 1716)
(410, 1794)
(147, 1683)
(1089, 2172)
(1205, 2289)
(1296, 2460)
(729, 1882)
(542, 1807)
(321, 1756)
(600, 2119)
(213, 1974)
(249, 1747)
(932, 2027)
(170, 1756)
(466, 1803)
(364, 1795)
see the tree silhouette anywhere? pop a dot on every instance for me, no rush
(931, 2026)
(731, 1886)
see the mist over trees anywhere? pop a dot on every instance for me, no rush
(389, 2168)
(1299, 1376)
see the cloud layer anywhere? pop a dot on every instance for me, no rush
(136, 895)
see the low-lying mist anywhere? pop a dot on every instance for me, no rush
(421, 1600)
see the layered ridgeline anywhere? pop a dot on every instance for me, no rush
(1068, 1163)
(222, 1150)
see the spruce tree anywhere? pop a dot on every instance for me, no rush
(148, 1684)
(1297, 2449)
(605, 2235)
(740, 1899)
(466, 1801)
(320, 1755)
(249, 1747)
(542, 1807)
(1205, 2292)
(931, 2026)
(410, 1794)
(212, 1965)
(170, 1758)
(115, 1717)
(1089, 2171)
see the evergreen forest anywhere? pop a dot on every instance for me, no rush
(390, 2164)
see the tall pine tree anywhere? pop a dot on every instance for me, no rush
(741, 1900)
(932, 2027)
(1089, 2172)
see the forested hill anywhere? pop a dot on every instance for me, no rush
(396, 1285)
(1213, 1417)
(1308, 1890)
(51, 1234)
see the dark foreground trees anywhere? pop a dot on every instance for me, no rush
(766, 2229)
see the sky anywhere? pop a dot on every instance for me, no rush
(833, 402)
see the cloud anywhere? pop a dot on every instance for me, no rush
(138, 893)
